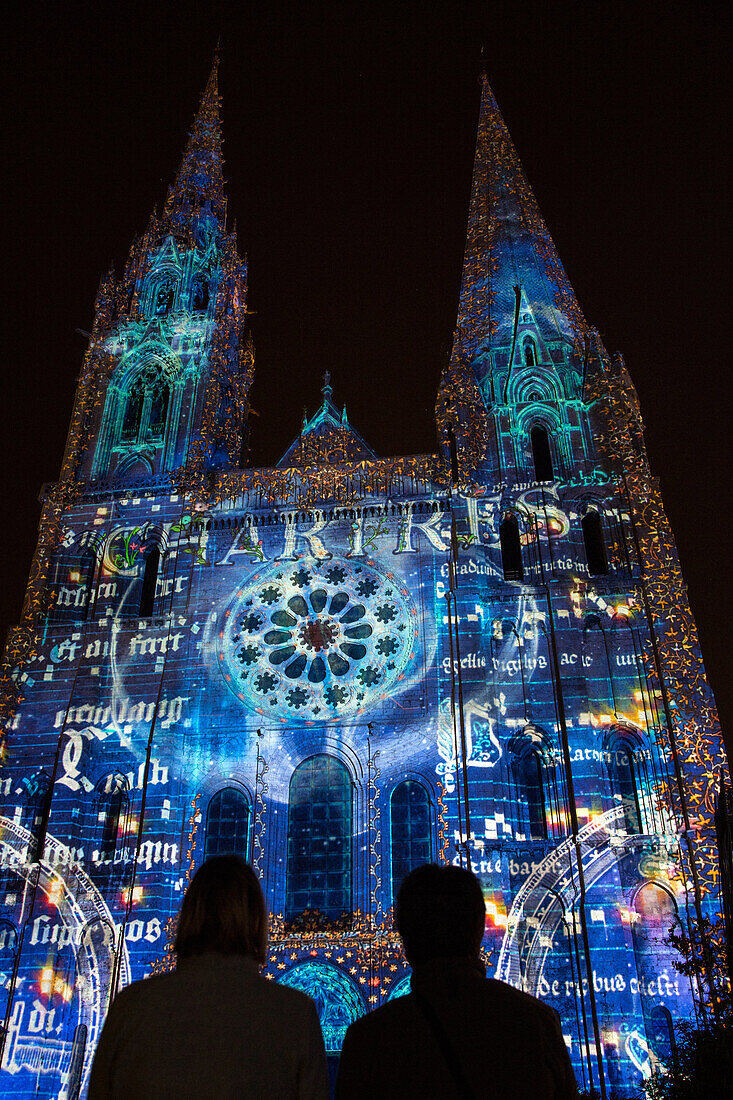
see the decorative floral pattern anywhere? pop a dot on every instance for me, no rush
(317, 642)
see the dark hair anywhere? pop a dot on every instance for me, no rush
(440, 912)
(224, 911)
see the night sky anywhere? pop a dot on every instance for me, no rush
(349, 133)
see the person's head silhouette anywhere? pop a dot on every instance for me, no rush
(440, 913)
(223, 911)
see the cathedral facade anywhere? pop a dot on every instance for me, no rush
(345, 666)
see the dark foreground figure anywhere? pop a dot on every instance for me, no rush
(214, 1028)
(457, 1034)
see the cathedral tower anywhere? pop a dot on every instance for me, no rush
(345, 665)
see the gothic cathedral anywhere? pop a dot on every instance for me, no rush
(345, 666)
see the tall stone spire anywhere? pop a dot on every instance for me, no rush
(199, 185)
(508, 246)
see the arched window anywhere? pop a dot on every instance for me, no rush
(662, 1033)
(133, 414)
(541, 454)
(532, 792)
(150, 580)
(157, 412)
(227, 824)
(625, 785)
(163, 300)
(412, 834)
(595, 550)
(511, 548)
(530, 352)
(319, 839)
(112, 815)
(146, 410)
(656, 916)
(200, 294)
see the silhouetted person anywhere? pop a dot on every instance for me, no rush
(457, 1034)
(213, 1028)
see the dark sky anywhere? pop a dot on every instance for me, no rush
(349, 140)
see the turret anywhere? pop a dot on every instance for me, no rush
(529, 393)
(167, 372)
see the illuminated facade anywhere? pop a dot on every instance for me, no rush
(345, 666)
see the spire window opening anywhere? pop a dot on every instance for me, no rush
(158, 412)
(595, 549)
(529, 349)
(146, 411)
(163, 299)
(541, 454)
(511, 549)
(133, 415)
(150, 581)
(200, 295)
(87, 571)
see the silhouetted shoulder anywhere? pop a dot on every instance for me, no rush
(517, 1001)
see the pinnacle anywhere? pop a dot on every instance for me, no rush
(199, 184)
(508, 243)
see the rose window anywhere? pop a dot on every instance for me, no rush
(317, 642)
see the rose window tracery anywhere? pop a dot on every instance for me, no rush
(317, 642)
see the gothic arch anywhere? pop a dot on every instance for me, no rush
(229, 816)
(534, 384)
(138, 461)
(336, 996)
(165, 277)
(320, 858)
(79, 903)
(202, 291)
(147, 376)
(412, 827)
(594, 540)
(625, 752)
(530, 350)
(512, 559)
(531, 768)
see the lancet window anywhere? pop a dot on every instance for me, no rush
(511, 548)
(227, 824)
(200, 300)
(411, 830)
(146, 410)
(595, 549)
(149, 582)
(114, 799)
(319, 839)
(530, 352)
(163, 297)
(530, 781)
(625, 784)
(541, 453)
